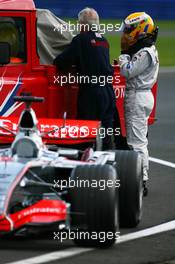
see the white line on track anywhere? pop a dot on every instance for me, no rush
(53, 256)
(162, 162)
(47, 258)
(147, 232)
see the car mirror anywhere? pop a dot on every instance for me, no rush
(4, 53)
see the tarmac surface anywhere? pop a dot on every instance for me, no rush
(159, 208)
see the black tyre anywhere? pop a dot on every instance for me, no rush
(129, 169)
(94, 212)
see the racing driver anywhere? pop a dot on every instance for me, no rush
(139, 64)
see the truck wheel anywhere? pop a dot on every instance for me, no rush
(94, 212)
(129, 169)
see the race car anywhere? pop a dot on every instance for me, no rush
(50, 188)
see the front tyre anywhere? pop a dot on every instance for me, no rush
(95, 211)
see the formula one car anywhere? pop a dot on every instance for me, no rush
(48, 188)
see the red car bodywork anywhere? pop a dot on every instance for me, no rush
(44, 212)
(40, 81)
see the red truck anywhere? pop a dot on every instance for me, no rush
(22, 72)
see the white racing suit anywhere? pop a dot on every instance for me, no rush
(141, 74)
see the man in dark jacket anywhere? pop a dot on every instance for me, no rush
(89, 52)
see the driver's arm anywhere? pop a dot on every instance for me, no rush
(135, 66)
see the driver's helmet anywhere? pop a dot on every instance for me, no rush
(137, 26)
(9, 33)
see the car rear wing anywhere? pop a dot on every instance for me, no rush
(72, 132)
